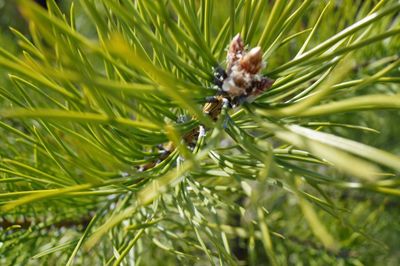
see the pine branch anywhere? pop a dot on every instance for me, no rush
(239, 83)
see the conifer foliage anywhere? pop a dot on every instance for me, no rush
(178, 132)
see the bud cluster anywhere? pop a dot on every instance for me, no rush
(243, 78)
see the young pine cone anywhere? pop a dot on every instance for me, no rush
(243, 71)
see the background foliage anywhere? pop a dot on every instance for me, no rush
(307, 174)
